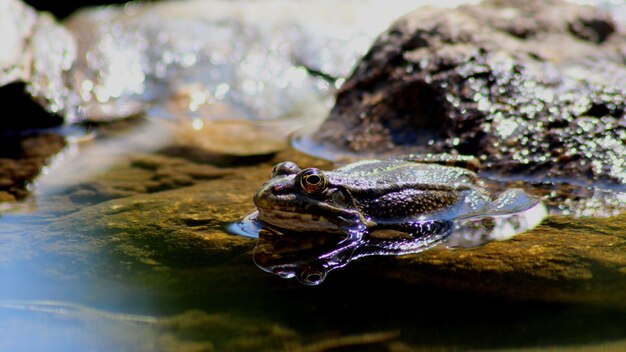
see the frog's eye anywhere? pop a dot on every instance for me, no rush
(311, 275)
(285, 168)
(312, 180)
(274, 173)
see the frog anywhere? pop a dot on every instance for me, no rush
(374, 193)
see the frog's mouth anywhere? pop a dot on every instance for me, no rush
(336, 222)
(296, 221)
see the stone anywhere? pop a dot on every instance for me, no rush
(37, 51)
(174, 58)
(150, 219)
(585, 264)
(532, 88)
(564, 260)
(17, 22)
(166, 252)
(22, 159)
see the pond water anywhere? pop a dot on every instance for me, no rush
(122, 245)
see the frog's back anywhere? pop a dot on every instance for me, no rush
(381, 174)
(397, 190)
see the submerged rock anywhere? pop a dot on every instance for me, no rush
(163, 216)
(169, 236)
(563, 260)
(531, 88)
(189, 331)
(21, 160)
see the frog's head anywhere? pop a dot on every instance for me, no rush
(307, 200)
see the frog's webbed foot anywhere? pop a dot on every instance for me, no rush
(465, 161)
(514, 211)
(513, 201)
(511, 213)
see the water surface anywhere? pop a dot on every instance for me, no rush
(122, 247)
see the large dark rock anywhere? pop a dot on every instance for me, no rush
(531, 87)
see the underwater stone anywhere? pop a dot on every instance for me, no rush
(22, 159)
(563, 260)
(179, 232)
(531, 88)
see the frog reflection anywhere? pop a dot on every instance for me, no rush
(309, 257)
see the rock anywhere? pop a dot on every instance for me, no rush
(143, 174)
(54, 53)
(159, 219)
(17, 23)
(152, 223)
(166, 252)
(39, 52)
(178, 60)
(153, 213)
(21, 160)
(584, 264)
(181, 227)
(564, 260)
(530, 87)
(189, 331)
(6, 196)
(174, 58)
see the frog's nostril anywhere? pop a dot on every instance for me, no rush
(278, 188)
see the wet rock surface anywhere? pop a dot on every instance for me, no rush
(148, 233)
(583, 264)
(138, 214)
(530, 87)
(38, 52)
(21, 161)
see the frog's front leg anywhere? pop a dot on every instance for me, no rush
(464, 161)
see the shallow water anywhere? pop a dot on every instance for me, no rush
(122, 247)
